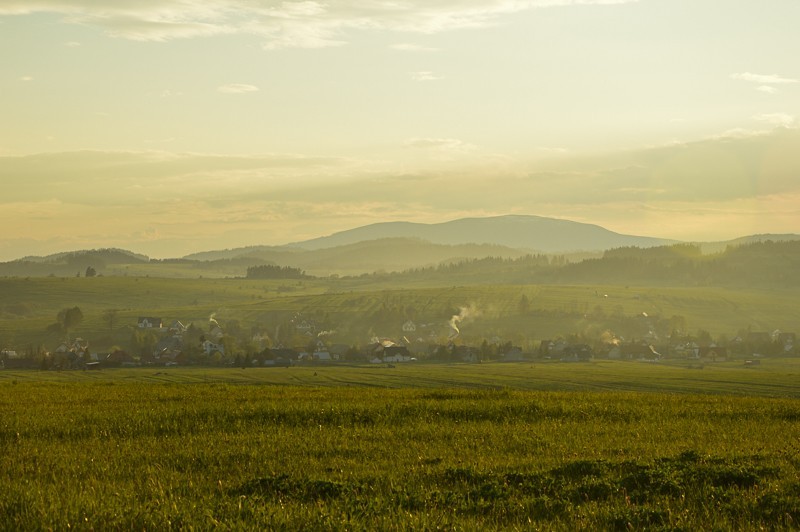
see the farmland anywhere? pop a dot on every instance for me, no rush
(612, 445)
(539, 444)
(358, 309)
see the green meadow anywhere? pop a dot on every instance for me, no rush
(357, 309)
(552, 446)
(602, 445)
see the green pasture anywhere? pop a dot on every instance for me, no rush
(454, 447)
(356, 312)
(773, 377)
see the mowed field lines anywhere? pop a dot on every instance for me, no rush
(773, 377)
(469, 447)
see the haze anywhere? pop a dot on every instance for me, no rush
(173, 126)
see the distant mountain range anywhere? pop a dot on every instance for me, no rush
(533, 233)
(389, 246)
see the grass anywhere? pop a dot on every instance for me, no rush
(774, 377)
(352, 309)
(127, 450)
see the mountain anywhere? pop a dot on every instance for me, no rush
(388, 254)
(265, 252)
(106, 255)
(534, 233)
(72, 262)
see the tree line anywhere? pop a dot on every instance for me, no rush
(269, 271)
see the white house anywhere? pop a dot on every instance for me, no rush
(149, 323)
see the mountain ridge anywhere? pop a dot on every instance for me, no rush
(384, 246)
(535, 233)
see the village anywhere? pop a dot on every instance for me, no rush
(172, 343)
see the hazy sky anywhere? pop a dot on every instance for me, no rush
(172, 126)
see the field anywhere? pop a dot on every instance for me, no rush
(358, 309)
(612, 445)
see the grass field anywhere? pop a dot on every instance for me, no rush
(612, 446)
(774, 377)
(350, 307)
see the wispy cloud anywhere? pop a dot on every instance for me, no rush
(776, 119)
(26, 78)
(437, 143)
(289, 197)
(305, 24)
(409, 47)
(237, 88)
(767, 89)
(72, 44)
(768, 79)
(425, 75)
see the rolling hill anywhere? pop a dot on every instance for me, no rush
(532, 233)
(388, 247)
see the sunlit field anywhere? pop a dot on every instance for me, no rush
(482, 446)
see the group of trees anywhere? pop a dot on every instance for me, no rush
(66, 321)
(757, 264)
(269, 271)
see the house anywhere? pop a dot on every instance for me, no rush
(788, 341)
(396, 353)
(8, 353)
(305, 327)
(149, 323)
(168, 348)
(118, 358)
(552, 348)
(633, 351)
(216, 333)
(465, 353)
(688, 350)
(339, 351)
(409, 327)
(177, 328)
(209, 348)
(513, 355)
(577, 353)
(759, 339)
(283, 356)
(714, 353)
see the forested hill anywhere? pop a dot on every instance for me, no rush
(71, 263)
(763, 264)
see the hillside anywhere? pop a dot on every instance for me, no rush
(438, 250)
(533, 233)
(769, 264)
(71, 263)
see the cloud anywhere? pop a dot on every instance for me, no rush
(26, 78)
(72, 44)
(438, 144)
(295, 24)
(776, 119)
(408, 47)
(767, 89)
(738, 133)
(551, 150)
(425, 75)
(769, 79)
(237, 88)
(735, 185)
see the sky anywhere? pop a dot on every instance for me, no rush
(172, 126)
